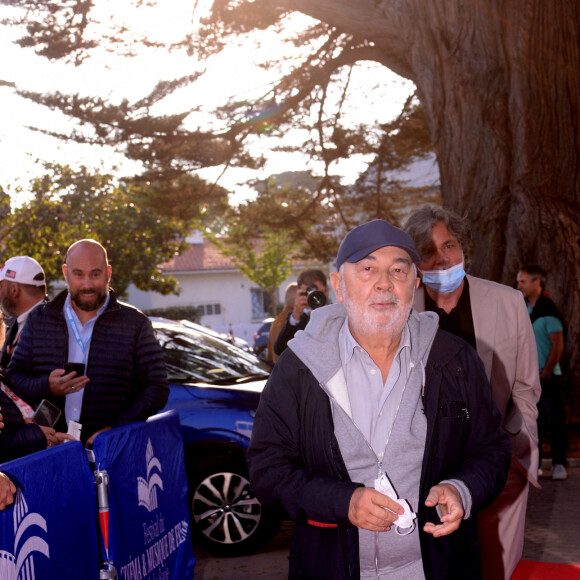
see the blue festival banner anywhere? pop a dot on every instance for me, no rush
(50, 530)
(148, 533)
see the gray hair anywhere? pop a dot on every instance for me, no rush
(420, 223)
(535, 271)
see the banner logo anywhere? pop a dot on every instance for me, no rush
(147, 488)
(20, 565)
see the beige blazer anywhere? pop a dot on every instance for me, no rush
(507, 346)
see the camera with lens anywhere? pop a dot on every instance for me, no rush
(315, 297)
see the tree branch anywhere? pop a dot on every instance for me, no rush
(387, 23)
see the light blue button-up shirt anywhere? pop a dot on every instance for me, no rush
(79, 343)
(374, 404)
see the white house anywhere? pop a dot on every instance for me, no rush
(210, 282)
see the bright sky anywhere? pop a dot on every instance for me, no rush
(234, 73)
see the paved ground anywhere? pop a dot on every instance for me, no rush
(552, 535)
(553, 516)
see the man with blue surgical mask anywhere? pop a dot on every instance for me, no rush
(493, 319)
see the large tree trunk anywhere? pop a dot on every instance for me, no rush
(502, 95)
(500, 84)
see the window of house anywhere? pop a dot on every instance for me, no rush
(261, 304)
(209, 309)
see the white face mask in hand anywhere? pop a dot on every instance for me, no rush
(405, 523)
(444, 281)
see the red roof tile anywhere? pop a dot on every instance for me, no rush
(199, 257)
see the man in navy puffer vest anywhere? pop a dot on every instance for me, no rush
(124, 377)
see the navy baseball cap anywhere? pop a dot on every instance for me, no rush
(367, 238)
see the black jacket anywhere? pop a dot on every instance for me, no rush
(288, 332)
(545, 306)
(128, 379)
(295, 462)
(17, 437)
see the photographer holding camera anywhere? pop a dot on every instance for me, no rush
(312, 293)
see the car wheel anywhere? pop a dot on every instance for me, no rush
(226, 517)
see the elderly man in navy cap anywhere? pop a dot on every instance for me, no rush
(376, 431)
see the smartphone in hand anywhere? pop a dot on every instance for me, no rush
(46, 414)
(78, 368)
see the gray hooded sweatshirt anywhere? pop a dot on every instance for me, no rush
(382, 554)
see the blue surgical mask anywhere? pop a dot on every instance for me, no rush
(444, 281)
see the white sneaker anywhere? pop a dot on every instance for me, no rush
(559, 472)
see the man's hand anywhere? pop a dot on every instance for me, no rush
(61, 384)
(53, 437)
(7, 491)
(372, 510)
(447, 497)
(300, 302)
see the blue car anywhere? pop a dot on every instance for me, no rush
(215, 388)
(261, 337)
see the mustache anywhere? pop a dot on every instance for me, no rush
(384, 297)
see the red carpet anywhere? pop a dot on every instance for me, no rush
(528, 570)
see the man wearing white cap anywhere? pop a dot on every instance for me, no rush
(22, 288)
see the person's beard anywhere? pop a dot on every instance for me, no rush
(89, 305)
(8, 306)
(369, 324)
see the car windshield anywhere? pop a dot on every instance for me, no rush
(193, 356)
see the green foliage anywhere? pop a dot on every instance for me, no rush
(4, 203)
(178, 195)
(265, 260)
(296, 203)
(377, 194)
(303, 110)
(308, 100)
(161, 143)
(57, 29)
(70, 205)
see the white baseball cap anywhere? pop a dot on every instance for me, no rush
(24, 270)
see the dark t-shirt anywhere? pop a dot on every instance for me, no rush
(460, 320)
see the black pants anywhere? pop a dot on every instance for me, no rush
(551, 419)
